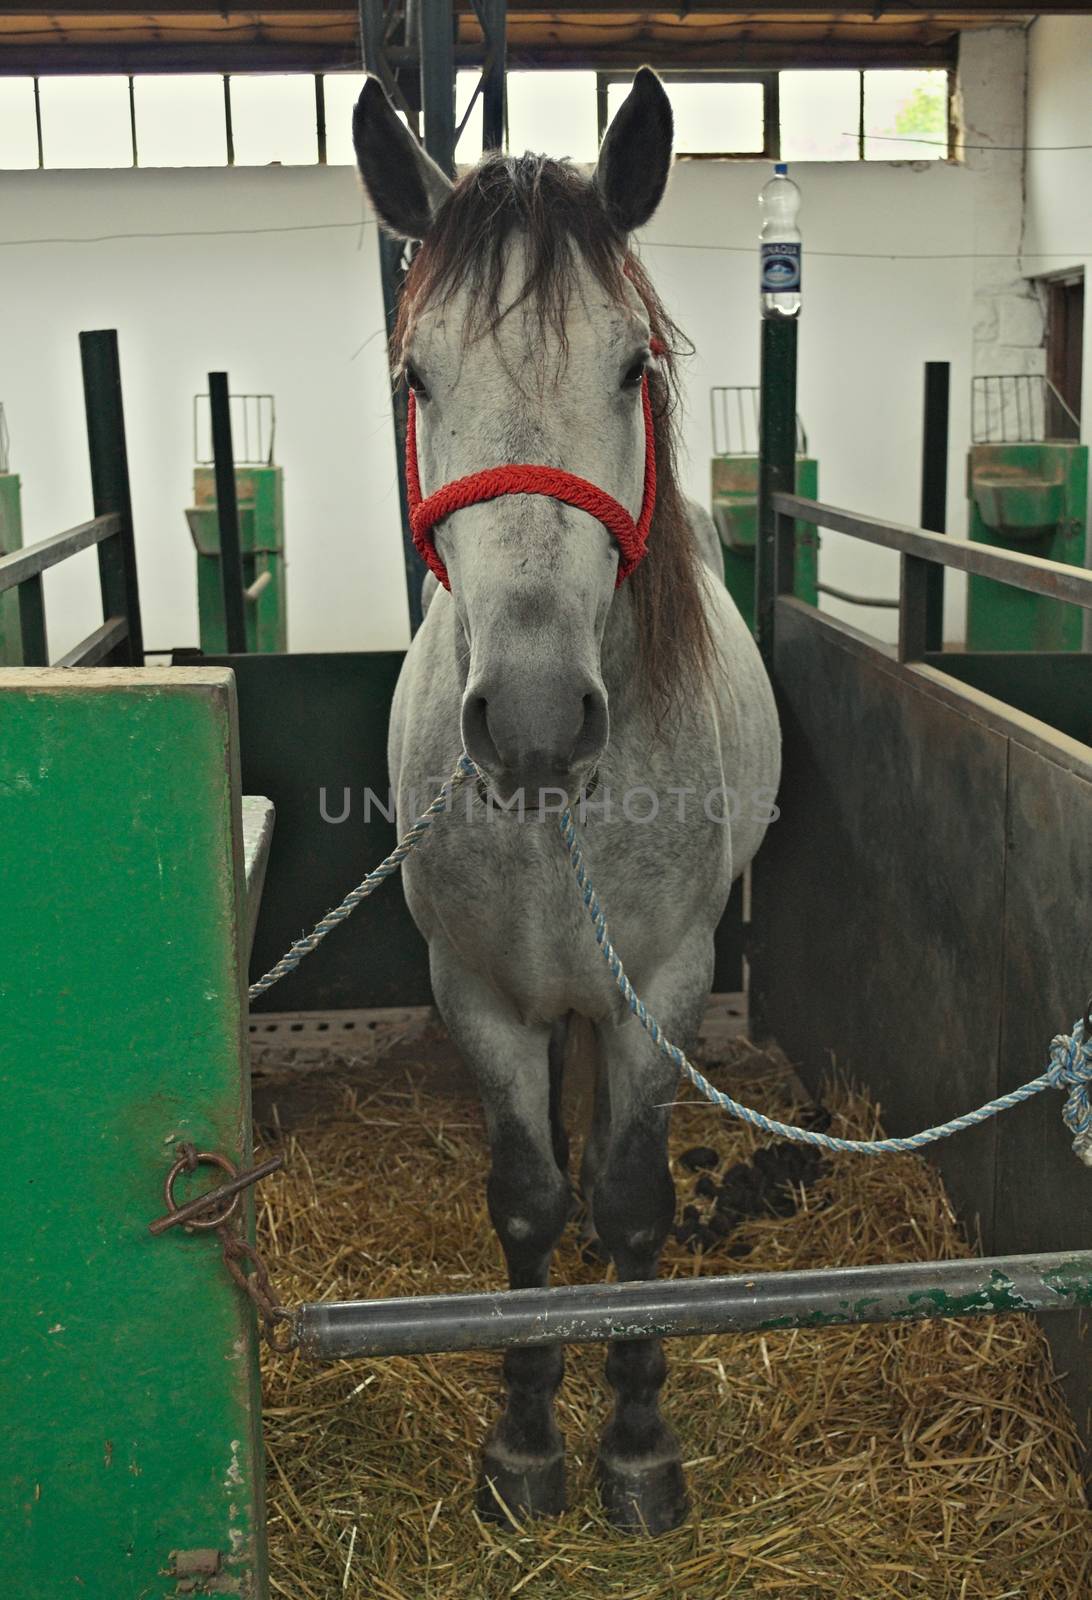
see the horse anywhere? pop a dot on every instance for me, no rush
(574, 665)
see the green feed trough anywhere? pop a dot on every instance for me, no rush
(259, 485)
(1027, 490)
(734, 497)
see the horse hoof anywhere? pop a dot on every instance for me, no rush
(648, 1499)
(520, 1486)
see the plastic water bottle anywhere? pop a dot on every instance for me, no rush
(780, 246)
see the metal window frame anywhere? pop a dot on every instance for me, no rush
(492, 88)
(950, 73)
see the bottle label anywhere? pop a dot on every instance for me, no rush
(780, 268)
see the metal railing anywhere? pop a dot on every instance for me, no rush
(253, 429)
(920, 551)
(824, 1297)
(1019, 408)
(118, 641)
(735, 413)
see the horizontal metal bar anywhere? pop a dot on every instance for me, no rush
(266, 51)
(90, 651)
(1052, 578)
(428, 1324)
(37, 558)
(857, 599)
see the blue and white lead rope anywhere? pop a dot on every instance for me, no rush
(1070, 1061)
(409, 841)
(1070, 1054)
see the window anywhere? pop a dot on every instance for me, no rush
(86, 122)
(553, 114)
(815, 114)
(18, 123)
(469, 146)
(180, 120)
(712, 117)
(905, 116)
(273, 119)
(881, 114)
(340, 92)
(820, 112)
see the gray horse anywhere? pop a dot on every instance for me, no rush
(529, 334)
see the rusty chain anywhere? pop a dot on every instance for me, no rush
(214, 1212)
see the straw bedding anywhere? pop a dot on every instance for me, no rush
(928, 1460)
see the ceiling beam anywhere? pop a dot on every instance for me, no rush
(557, 16)
(151, 58)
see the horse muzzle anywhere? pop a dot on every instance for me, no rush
(540, 747)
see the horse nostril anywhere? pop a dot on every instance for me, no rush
(592, 737)
(478, 742)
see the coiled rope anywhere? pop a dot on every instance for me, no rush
(1070, 1066)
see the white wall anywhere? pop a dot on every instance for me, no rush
(876, 308)
(272, 274)
(1058, 211)
(218, 280)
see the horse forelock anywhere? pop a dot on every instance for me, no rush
(557, 216)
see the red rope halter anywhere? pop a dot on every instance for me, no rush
(631, 537)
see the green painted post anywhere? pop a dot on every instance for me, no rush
(131, 1451)
(776, 460)
(110, 487)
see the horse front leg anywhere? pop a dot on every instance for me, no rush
(640, 1464)
(523, 1461)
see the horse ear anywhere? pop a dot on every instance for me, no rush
(405, 185)
(635, 156)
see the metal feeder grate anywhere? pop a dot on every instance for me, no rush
(253, 430)
(1019, 408)
(735, 415)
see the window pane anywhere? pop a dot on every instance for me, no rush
(469, 148)
(553, 114)
(85, 122)
(914, 104)
(710, 118)
(180, 120)
(273, 119)
(18, 130)
(820, 112)
(341, 91)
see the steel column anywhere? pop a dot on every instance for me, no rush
(493, 16)
(227, 513)
(110, 488)
(437, 25)
(585, 1313)
(392, 273)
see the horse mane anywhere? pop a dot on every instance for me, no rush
(560, 218)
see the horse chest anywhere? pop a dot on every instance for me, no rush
(503, 894)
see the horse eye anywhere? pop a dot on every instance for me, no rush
(416, 382)
(635, 373)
